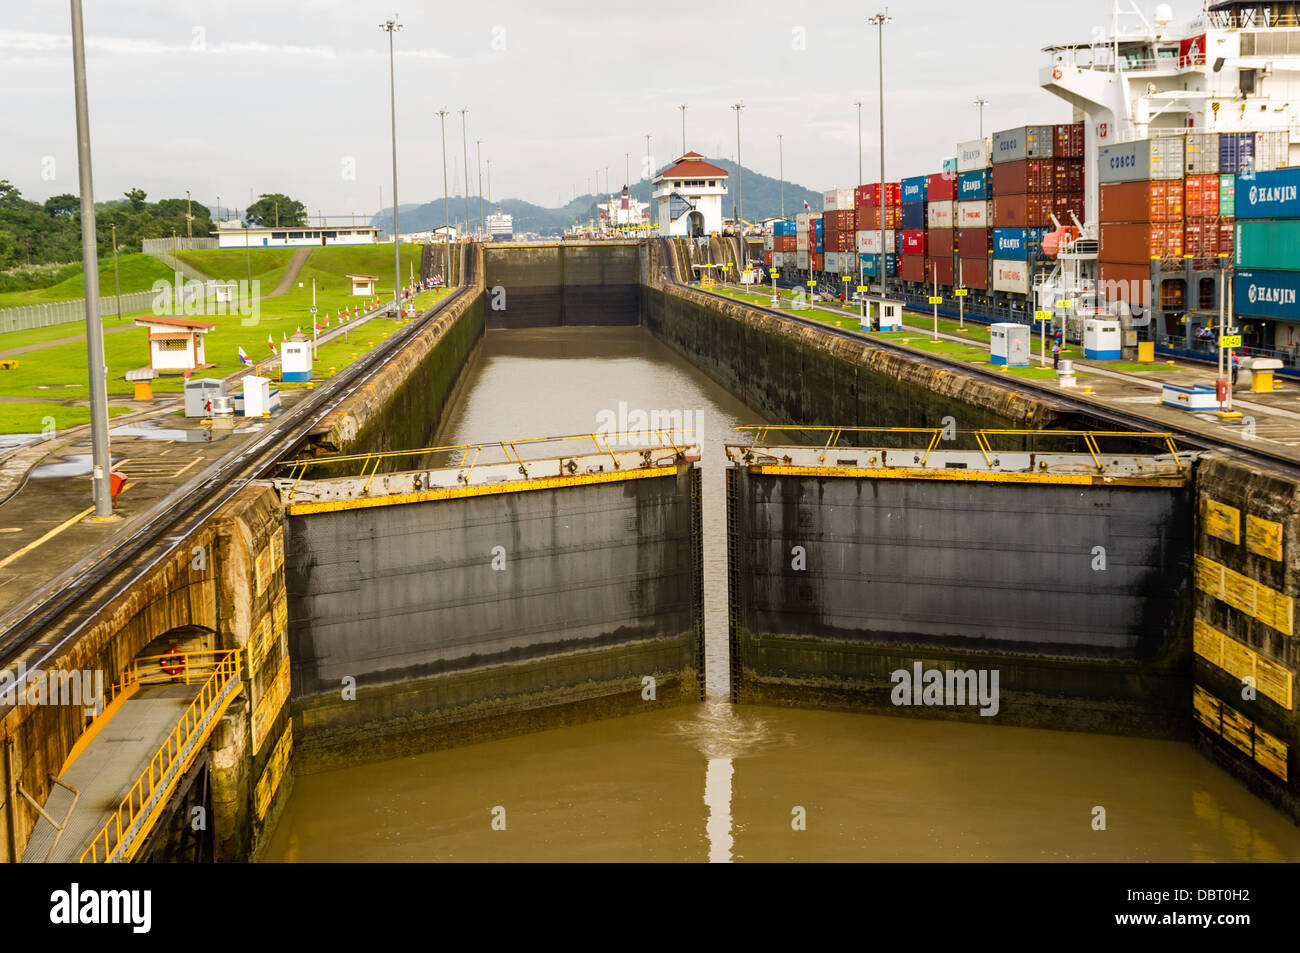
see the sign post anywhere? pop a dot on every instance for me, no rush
(1042, 317)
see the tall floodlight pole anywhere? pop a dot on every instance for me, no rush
(740, 190)
(117, 280)
(682, 107)
(859, 105)
(390, 27)
(780, 153)
(446, 199)
(649, 179)
(981, 102)
(489, 180)
(879, 20)
(482, 222)
(464, 141)
(102, 465)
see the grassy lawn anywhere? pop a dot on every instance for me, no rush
(1139, 368)
(30, 418)
(266, 265)
(137, 272)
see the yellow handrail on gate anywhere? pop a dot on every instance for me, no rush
(221, 668)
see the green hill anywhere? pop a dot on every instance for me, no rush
(137, 272)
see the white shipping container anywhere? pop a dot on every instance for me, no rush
(1142, 161)
(940, 214)
(1011, 276)
(973, 156)
(779, 257)
(801, 242)
(1202, 153)
(767, 243)
(801, 222)
(836, 199)
(801, 260)
(977, 214)
(869, 241)
(837, 262)
(1272, 151)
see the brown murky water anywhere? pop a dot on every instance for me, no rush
(713, 782)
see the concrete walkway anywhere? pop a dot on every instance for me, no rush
(290, 273)
(105, 771)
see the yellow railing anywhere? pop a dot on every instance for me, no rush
(219, 668)
(981, 437)
(370, 462)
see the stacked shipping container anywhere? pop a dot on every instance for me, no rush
(1141, 214)
(973, 237)
(870, 213)
(1267, 254)
(941, 211)
(912, 265)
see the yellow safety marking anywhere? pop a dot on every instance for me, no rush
(1245, 594)
(269, 782)
(100, 721)
(270, 704)
(1240, 661)
(1264, 537)
(1267, 750)
(262, 567)
(490, 489)
(46, 538)
(258, 644)
(1222, 521)
(965, 476)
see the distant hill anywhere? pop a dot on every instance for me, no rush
(762, 196)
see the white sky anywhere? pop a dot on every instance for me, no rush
(224, 97)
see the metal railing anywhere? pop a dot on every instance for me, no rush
(124, 831)
(982, 437)
(153, 246)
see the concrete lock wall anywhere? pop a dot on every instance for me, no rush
(807, 376)
(967, 576)
(461, 618)
(531, 286)
(1247, 580)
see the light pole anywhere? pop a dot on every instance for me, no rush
(464, 140)
(489, 180)
(117, 281)
(682, 107)
(390, 27)
(446, 200)
(101, 462)
(740, 190)
(981, 102)
(859, 105)
(780, 158)
(879, 20)
(649, 179)
(482, 225)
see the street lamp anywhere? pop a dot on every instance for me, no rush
(981, 102)
(446, 200)
(682, 107)
(100, 461)
(478, 146)
(464, 140)
(780, 153)
(879, 20)
(649, 177)
(390, 27)
(740, 190)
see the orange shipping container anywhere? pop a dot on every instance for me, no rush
(1201, 196)
(1022, 211)
(1140, 242)
(1160, 201)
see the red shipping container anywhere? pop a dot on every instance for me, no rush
(767, 259)
(941, 187)
(1227, 239)
(784, 243)
(1022, 211)
(869, 195)
(941, 242)
(841, 220)
(1201, 196)
(974, 273)
(974, 242)
(1201, 238)
(1142, 202)
(913, 268)
(867, 218)
(817, 262)
(1067, 175)
(1130, 283)
(944, 270)
(1135, 243)
(1064, 204)
(840, 241)
(1027, 175)
(914, 241)
(1068, 141)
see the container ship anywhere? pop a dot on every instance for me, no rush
(500, 227)
(1173, 195)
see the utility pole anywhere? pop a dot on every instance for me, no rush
(117, 282)
(780, 152)
(981, 102)
(859, 105)
(189, 222)
(649, 178)
(390, 27)
(740, 190)
(879, 20)
(446, 198)
(683, 109)
(101, 462)
(464, 142)
(482, 222)
(489, 182)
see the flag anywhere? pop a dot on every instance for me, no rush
(270, 342)
(806, 205)
(298, 330)
(244, 358)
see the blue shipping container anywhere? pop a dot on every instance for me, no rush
(871, 265)
(1015, 244)
(784, 229)
(1269, 195)
(915, 189)
(950, 165)
(820, 246)
(819, 226)
(975, 185)
(1267, 294)
(1236, 152)
(914, 215)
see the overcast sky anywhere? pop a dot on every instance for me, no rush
(224, 97)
